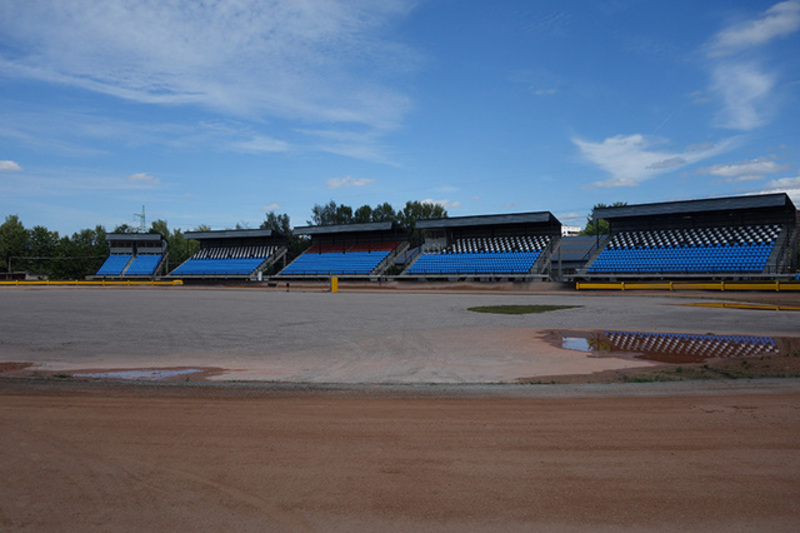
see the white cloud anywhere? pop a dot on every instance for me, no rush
(738, 78)
(670, 162)
(790, 186)
(314, 61)
(778, 21)
(274, 206)
(45, 131)
(447, 204)
(259, 145)
(571, 217)
(745, 92)
(751, 170)
(356, 144)
(632, 159)
(348, 181)
(143, 179)
(784, 183)
(9, 166)
(538, 80)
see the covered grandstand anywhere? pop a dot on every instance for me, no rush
(133, 255)
(514, 246)
(233, 254)
(348, 250)
(745, 237)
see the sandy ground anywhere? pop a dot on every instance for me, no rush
(89, 457)
(104, 455)
(364, 337)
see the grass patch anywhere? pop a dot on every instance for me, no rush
(519, 309)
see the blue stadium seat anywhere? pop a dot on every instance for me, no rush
(699, 250)
(218, 267)
(483, 256)
(323, 264)
(144, 265)
(114, 265)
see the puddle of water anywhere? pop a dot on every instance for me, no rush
(677, 348)
(576, 343)
(147, 374)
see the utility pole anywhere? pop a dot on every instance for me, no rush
(142, 221)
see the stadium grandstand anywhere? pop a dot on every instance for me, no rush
(745, 237)
(348, 251)
(133, 255)
(233, 254)
(514, 246)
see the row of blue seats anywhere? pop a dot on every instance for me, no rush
(144, 265)
(114, 265)
(218, 267)
(141, 265)
(335, 263)
(706, 259)
(475, 263)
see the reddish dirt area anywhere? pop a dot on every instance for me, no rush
(201, 457)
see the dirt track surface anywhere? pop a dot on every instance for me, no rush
(98, 455)
(359, 337)
(94, 457)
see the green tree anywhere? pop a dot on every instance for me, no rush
(180, 248)
(384, 213)
(13, 242)
(282, 224)
(416, 210)
(601, 227)
(82, 254)
(159, 226)
(277, 222)
(330, 213)
(125, 228)
(363, 215)
(43, 248)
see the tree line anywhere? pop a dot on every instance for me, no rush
(39, 251)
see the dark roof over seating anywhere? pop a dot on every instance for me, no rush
(488, 220)
(778, 200)
(347, 228)
(134, 237)
(231, 234)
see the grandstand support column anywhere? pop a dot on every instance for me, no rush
(560, 271)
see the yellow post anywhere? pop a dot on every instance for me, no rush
(334, 284)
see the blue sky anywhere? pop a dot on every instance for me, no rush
(218, 112)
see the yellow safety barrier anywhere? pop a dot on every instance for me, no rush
(764, 307)
(776, 286)
(334, 284)
(102, 283)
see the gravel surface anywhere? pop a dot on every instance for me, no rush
(358, 337)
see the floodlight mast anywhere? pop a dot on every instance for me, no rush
(142, 221)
